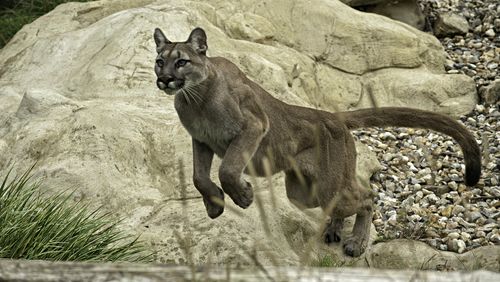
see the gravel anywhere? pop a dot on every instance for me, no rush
(421, 190)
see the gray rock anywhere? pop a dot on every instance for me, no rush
(473, 216)
(409, 254)
(448, 24)
(491, 94)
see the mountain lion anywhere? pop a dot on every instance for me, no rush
(231, 116)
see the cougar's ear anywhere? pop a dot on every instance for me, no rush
(198, 40)
(160, 40)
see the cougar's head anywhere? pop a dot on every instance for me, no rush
(181, 66)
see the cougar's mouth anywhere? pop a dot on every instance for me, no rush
(170, 85)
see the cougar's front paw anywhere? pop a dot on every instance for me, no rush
(214, 209)
(242, 194)
(354, 246)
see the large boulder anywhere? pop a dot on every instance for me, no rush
(77, 95)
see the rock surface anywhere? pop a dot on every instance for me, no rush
(77, 94)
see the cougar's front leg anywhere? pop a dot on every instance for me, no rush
(202, 162)
(237, 156)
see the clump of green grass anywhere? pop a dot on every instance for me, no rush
(326, 261)
(36, 226)
(14, 14)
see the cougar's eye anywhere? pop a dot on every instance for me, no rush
(159, 63)
(181, 63)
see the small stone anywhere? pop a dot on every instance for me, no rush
(387, 136)
(464, 223)
(477, 45)
(479, 108)
(492, 66)
(393, 220)
(495, 238)
(431, 198)
(460, 246)
(457, 210)
(418, 187)
(390, 186)
(431, 233)
(472, 216)
(465, 236)
(453, 185)
(447, 211)
(479, 241)
(453, 235)
(388, 157)
(450, 225)
(413, 180)
(490, 32)
(488, 227)
(480, 234)
(415, 218)
(418, 196)
(412, 167)
(455, 177)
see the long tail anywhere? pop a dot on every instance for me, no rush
(407, 117)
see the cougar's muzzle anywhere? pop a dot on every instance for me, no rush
(169, 84)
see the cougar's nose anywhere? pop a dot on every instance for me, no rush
(163, 82)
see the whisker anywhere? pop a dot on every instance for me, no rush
(191, 94)
(186, 96)
(192, 90)
(198, 96)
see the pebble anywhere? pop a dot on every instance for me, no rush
(472, 216)
(458, 209)
(457, 245)
(490, 32)
(453, 235)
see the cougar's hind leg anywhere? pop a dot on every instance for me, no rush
(299, 190)
(301, 181)
(355, 244)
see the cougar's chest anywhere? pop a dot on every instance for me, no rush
(215, 128)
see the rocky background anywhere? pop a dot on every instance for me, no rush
(77, 95)
(443, 212)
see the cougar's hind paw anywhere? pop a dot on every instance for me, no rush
(353, 247)
(331, 236)
(333, 230)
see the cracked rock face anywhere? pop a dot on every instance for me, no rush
(78, 95)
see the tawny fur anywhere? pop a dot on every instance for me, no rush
(231, 116)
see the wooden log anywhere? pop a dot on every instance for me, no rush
(29, 271)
